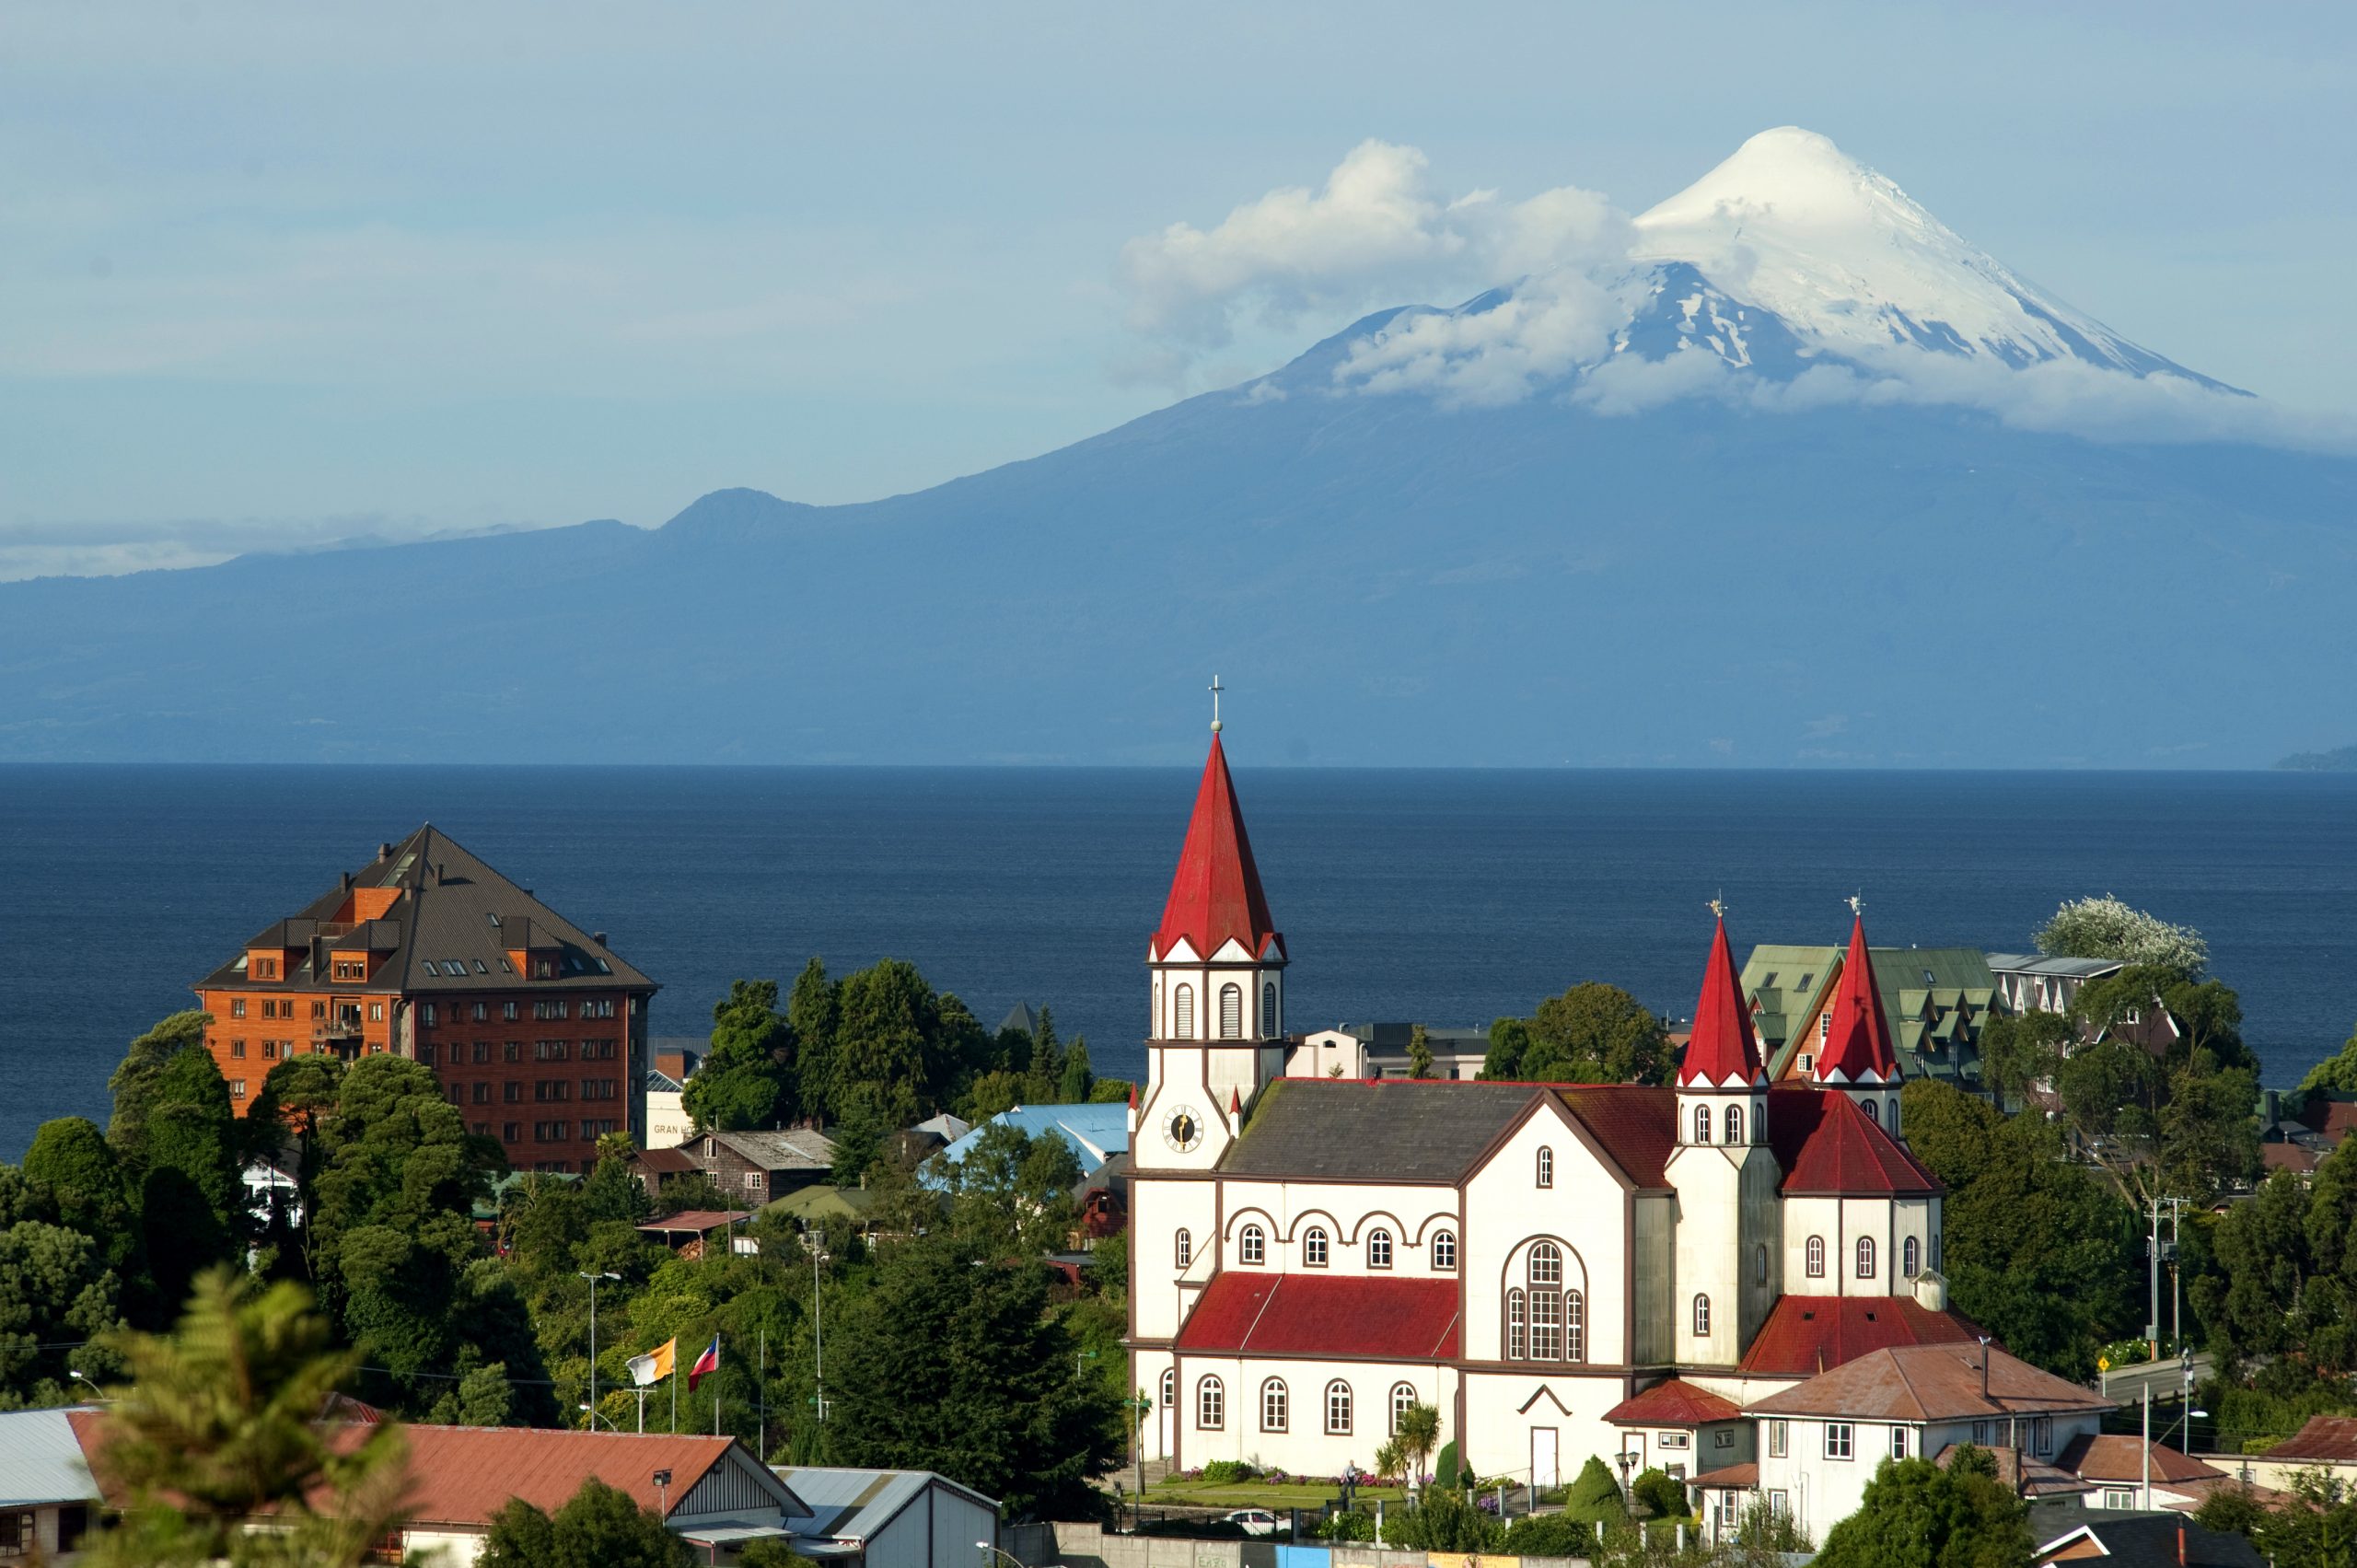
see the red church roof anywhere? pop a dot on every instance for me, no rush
(1808, 1334)
(1217, 893)
(1721, 1051)
(1857, 1046)
(1826, 1144)
(1674, 1404)
(1367, 1317)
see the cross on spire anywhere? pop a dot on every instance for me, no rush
(1216, 689)
(1857, 903)
(1718, 905)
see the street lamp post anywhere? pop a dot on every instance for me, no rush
(79, 1377)
(592, 1406)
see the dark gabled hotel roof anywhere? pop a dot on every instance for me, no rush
(450, 926)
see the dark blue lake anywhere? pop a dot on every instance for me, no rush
(1450, 897)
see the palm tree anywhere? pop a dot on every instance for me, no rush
(1418, 1434)
(219, 1429)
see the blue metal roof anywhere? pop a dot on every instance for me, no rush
(1096, 1133)
(40, 1460)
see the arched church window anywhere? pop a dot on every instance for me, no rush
(1759, 1264)
(1816, 1257)
(1872, 1114)
(1546, 1325)
(1268, 1009)
(1183, 1247)
(1313, 1247)
(1273, 1403)
(1338, 1409)
(1910, 1257)
(1518, 1311)
(1403, 1400)
(1893, 1119)
(1702, 1316)
(1253, 1243)
(1546, 1168)
(1211, 1404)
(1574, 1326)
(1169, 1387)
(1182, 1012)
(1701, 1123)
(1546, 1264)
(1231, 1012)
(1444, 1251)
(1378, 1250)
(1865, 1256)
(1735, 1124)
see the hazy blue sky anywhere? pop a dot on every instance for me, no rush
(271, 268)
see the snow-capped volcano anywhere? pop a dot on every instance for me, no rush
(1788, 255)
(1854, 266)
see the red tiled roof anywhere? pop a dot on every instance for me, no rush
(463, 1475)
(1216, 892)
(1379, 1319)
(1729, 1478)
(672, 1160)
(1720, 1050)
(1808, 1334)
(695, 1220)
(2334, 1118)
(2327, 1439)
(1674, 1404)
(1637, 1124)
(1931, 1382)
(1827, 1144)
(2112, 1456)
(1858, 1048)
(2021, 1474)
(2288, 1156)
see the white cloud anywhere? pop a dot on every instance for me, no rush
(1377, 231)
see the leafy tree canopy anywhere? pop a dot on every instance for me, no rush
(599, 1527)
(1595, 1033)
(1918, 1514)
(133, 1083)
(2108, 928)
(747, 1079)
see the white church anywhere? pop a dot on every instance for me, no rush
(1559, 1269)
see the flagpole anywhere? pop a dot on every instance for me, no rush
(675, 1394)
(716, 1384)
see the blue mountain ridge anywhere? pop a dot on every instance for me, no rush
(1377, 579)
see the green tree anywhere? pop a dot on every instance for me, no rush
(1594, 1497)
(1595, 1033)
(1420, 1053)
(1076, 1078)
(599, 1527)
(1509, 1043)
(1918, 1514)
(952, 1362)
(1443, 1521)
(218, 1424)
(1664, 1497)
(1012, 1193)
(55, 1290)
(71, 1161)
(747, 1079)
(2019, 1054)
(2337, 1072)
(133, 1083)
(2108, 928)
(814, 1010)
(859, 1136)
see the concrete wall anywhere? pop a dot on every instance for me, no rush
(1088, 1546)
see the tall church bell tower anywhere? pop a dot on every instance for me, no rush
(1215, 968)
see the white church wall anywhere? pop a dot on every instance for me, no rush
(1158, 1211)
(1585, 1211)
(1303, 1446)
(1349, 1213)
(1512, 1416)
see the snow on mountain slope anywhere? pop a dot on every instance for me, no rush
(1856, 267)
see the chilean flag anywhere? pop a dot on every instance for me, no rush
(706, 1363)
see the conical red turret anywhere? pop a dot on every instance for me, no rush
(1857, 1044)
(1216, 894)
(1723, 1052)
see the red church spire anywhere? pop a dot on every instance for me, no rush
(1217, 893)
(1857, 1047)
(1721, 1051)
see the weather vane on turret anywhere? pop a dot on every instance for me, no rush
(1857, 902)
(1718, 905)
(1216, 689)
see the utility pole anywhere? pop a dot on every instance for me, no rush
(2147, 1503)
(593, 1280)
(2152, 1316)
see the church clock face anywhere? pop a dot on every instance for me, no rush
(1183, 1131)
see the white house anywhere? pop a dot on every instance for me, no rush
(668, 1125)
(1820, 1442)
(1380, 1050)
(1310, 1255)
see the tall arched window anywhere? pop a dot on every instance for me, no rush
(1546, 1264)
(1735, 1124)
(1253, 1243)
(1816, 1257)
(1868, 1107)
(1518, 1311)
(1865, 1256)
(1759, 1264)
(1574, 1326)
(1313, 1247)
(1546, 1276)
(1702, 1316)
(1893, 1119)
(1268, 1009)
(1378, 1250)
(1403, 1400)
(1701, 1123)
(1273, 1404)
(1211, 1404)
(1546, 1168)
(1169, 1387)
(1183, 1247)
(1338, 1409)
(1182, 1012)
(1231, 1012)
(1444, 1251)
(1910, 1257)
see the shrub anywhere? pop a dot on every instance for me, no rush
(1664, 1496)
(1353, 1525)
(1549, 1534)
(1227, 1472)
(1444, 1522)
(1594, 1496)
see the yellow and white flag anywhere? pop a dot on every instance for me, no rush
(656, 1364)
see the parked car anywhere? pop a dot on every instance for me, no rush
(1255, 1521)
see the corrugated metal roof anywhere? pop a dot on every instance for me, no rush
(40, 1460)
(848, 1504)
(1095, 1132)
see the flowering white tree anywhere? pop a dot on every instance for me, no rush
(2108, 928)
